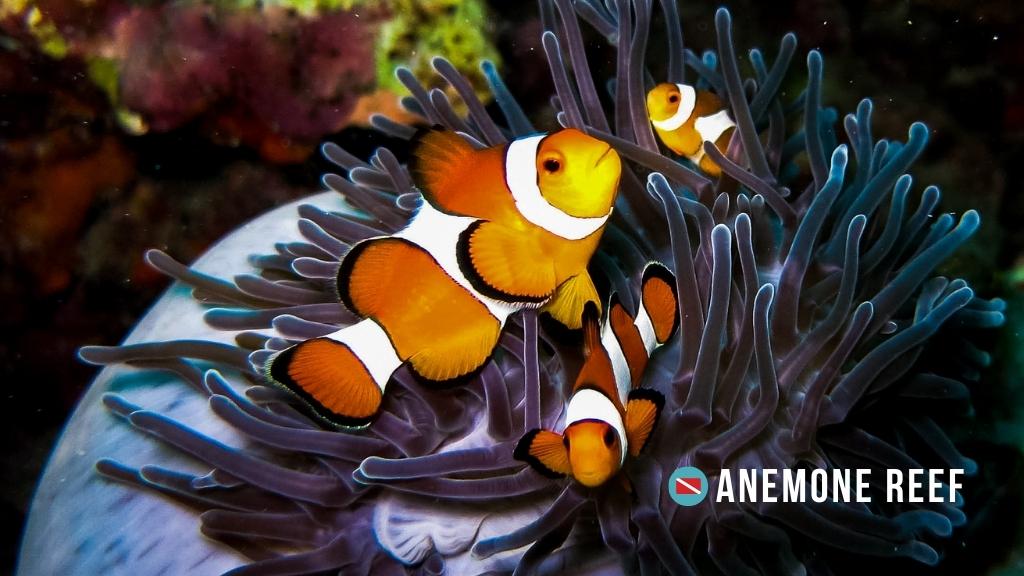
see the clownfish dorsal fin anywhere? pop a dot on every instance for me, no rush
(597, 371)
(660, 300)
(591, 329)
(642, 412)
(545, 451)
(440, 160)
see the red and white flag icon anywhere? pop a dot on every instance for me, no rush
(688, 486)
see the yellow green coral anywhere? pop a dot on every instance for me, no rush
(50, 41)
(304, 7)
(421, 29)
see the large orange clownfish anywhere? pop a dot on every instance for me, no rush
(608, 416)
(500, 229)
(685, 118)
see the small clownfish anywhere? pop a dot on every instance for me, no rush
(608, 416)
(684, 119)
(500, 229)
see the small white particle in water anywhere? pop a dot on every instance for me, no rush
(996, 37)
(910, 22)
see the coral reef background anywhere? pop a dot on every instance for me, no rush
(88, 181)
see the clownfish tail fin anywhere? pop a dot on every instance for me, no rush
(545, 452)
(642, 412)
(330, 380)
(660, 301)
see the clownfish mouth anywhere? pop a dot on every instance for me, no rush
(590, 480)
(603, 156)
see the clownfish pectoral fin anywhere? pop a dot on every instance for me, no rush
(570, 300)
(440, 160)
(660, 300)
(330, 380)
(545, 452)
(505, 264)
(642, 412)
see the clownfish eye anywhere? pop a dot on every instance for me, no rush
(551, 165)
(673, 98)
(609, 437)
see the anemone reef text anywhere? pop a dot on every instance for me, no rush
(770, 485)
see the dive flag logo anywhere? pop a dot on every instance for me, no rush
(691, 485)
(687, 486)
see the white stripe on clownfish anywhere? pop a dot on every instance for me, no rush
(438, 233)
(710, 128)
(646, 327)
(687, 102)
(591, 404)
(620, 366)
(521, 179)
(371, 345)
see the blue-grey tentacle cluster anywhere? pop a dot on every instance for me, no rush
(809, 318)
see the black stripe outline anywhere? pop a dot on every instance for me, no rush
(659, 270)
(277, 373)
(477, 281)
(522, 453)
(651, 395)
(348, 262)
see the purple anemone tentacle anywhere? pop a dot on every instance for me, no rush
(470, 460)
(696, 411)
(524, 482)
(564, 508)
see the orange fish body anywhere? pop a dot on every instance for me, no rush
(608, 415)
(684, 118)
(500, 230)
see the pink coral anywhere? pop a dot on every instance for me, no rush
(174, 63)
(300, 77)
(285, 75)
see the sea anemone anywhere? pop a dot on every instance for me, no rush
(813, 334)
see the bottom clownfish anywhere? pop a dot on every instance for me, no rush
(684, 118)
(608, 416)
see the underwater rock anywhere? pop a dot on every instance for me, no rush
(81, 523)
